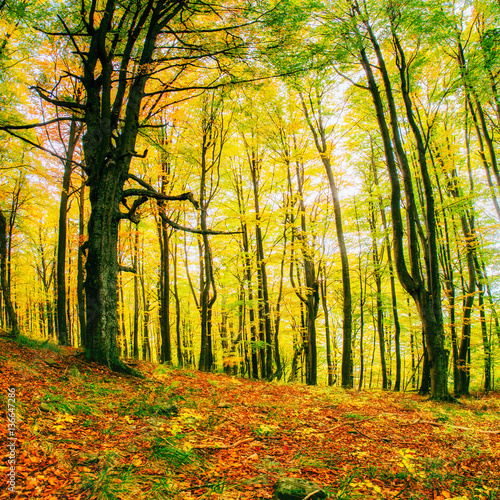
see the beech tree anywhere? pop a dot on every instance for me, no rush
(314, 114)
(131, 55)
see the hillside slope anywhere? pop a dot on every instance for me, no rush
(84, 432)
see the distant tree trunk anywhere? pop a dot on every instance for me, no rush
(135, 265)
(14, 327)
(81, 266)
(318, 130)
(263, 289)
(361, 333)
(323, 289)
(207, 300)
(247, 274)
(207, 283)
(226, 342)
(180, 360)
(279, 369)
(146, 350)
(213, 137)
(164, 238)
(15, 206)
(123, 331)
(378, 285)
(392, 277)
(484, 332)
(310, 297)
(62, 328)
(362, 294)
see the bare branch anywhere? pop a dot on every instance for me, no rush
(27, 126)
(56, 102)
(194, 231)
(127, 269)
(35, 145)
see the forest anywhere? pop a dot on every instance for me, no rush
(302, 190)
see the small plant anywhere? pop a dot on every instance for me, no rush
(164, 489)
(265, 430)
(62, 405)
(354, 416)
(166, 449)
(37, 344)
(109, 483)
(159, 401)
(345, 489)
(219, 486)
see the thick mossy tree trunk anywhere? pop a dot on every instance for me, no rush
(102, 267)
(116, 65)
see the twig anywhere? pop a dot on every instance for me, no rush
(311, 495)
(365, 435)
(330, 429)
(223, 447)
(354, 422)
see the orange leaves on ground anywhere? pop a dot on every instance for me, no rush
(233, 438)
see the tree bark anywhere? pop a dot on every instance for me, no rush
(62, 328)
(81, 267)
(428, 301)
(263, 289)
(320, 139)
(166, 349)
(11, 313)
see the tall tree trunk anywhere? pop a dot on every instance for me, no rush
(135, 265)
(484, 332)
(378, 286)
(247, 274)
(263, 289)
(311, 296)
(329, 364)
(81, 266)
(62, 328)
(166, 345)
(180, 360)
(146, 349)
(392, 278)
(277, 317)
(427, 300)
(207, 283)
(14, 327)
(320, 139)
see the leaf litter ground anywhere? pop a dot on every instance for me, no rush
(86, 433)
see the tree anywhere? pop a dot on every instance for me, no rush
(14, 327)
(62, 330)
(425, 292)
(312, 106)
(121, 47)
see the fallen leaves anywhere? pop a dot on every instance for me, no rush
(232, 439)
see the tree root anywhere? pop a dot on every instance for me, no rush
(119, 366)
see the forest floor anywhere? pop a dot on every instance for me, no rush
(84, 432)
